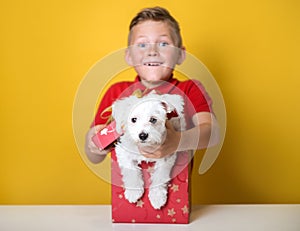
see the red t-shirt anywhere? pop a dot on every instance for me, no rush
(195, 97)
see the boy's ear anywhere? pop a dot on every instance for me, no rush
(128, 58)
(181, 56)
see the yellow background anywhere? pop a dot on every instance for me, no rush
(251, 47)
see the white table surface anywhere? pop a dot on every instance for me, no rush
(98, 217)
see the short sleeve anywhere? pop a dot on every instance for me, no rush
(198, 97)
(111, 95)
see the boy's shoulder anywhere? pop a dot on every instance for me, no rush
(119, 89)
(189, 83)
(122, 85)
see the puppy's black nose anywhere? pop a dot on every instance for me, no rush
(143, 136)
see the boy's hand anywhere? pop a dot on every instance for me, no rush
(93, 152)
(167, 148)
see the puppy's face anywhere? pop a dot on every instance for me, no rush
(146, 122)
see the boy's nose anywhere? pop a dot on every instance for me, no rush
(152, 50)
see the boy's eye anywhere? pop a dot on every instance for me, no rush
(133, 120)
(163, 44)
(142, 45)
(153, 120)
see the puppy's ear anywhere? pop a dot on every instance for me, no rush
(173, 102)
(120, 112)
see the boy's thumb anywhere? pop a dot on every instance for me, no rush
(169, 125)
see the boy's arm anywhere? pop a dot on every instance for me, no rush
(206, 129)
(204, 134)
(94, 154)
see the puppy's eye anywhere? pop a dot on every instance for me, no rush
(133, 120)
(152, 120)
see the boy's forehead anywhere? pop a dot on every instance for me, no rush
(143, 29)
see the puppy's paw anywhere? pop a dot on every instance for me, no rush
(158, 196)
(133, 195)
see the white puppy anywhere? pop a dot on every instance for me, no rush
(142, 120)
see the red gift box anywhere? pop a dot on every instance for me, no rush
(177, 207)
(106, 136)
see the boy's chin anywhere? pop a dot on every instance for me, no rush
(154, 76)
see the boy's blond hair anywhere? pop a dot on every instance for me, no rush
(157, 14)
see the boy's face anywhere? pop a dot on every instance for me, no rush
(152, 51)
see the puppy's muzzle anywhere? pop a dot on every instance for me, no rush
(143, 136)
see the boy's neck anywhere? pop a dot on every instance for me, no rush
(153, 84)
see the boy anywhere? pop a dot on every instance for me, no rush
(154, 48)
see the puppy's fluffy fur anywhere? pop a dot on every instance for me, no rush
(143, 122)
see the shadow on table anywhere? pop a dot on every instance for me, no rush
(200, 211)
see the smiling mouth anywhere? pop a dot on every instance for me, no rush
(153, 64)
